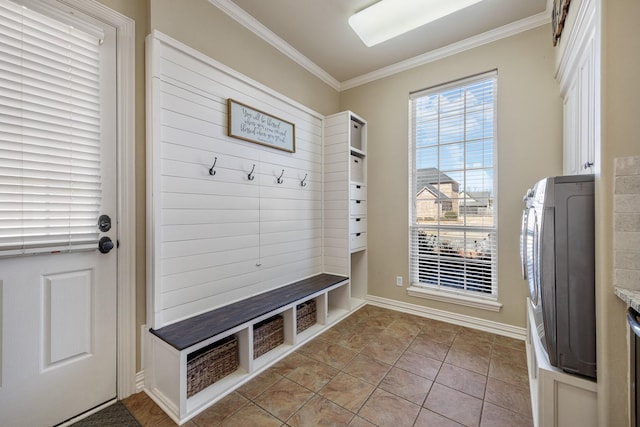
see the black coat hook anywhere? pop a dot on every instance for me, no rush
(303, 183)
(251, 176)
(211, 171)
(280, 180)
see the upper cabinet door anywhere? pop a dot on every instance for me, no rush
(579, 80)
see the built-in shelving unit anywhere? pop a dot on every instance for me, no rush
(345, 193)
(170, 347)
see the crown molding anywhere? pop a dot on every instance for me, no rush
(252, 24)
(508, 30)
(249, 22)
(579, 38)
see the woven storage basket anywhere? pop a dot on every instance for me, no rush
(211, 363)
(305, 315)
(267, 335)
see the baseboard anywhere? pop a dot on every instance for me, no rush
(140, 374)
(446, 316)
(139, 381)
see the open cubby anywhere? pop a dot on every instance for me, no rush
(338, 303)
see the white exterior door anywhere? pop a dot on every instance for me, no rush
(58, 303)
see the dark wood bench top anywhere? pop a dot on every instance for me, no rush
(188, 332)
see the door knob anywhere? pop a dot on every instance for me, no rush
(105, 245)
(104, 223)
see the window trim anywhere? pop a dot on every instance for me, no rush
(453, 297)
(438, 292)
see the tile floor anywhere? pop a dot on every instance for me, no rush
(378, 368)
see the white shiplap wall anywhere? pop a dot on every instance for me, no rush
(213, 240)
(336, 193)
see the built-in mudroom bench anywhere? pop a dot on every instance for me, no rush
(256, 226)
(200, 359)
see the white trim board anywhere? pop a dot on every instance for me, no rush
(445, 316)
(253, 25)
(140, 381)
(454, 298)
(125, 54)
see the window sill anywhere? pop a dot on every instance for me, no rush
(453, 298)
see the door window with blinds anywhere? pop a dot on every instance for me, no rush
(50, 189)
(453, 224)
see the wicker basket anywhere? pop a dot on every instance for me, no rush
(267, 335)
(305, 315)
(211, 363)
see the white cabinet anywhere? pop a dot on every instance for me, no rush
(345, 194)
(558, 398)
(580, 116)
(579, 82)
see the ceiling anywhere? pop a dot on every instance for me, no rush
(316, 34)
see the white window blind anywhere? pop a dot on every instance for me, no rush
(50, 189)
(453, 223)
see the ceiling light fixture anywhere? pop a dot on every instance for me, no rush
(390, 18)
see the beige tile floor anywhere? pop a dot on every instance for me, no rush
(379, 368)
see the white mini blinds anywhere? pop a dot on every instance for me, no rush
(453, 211)
(50, 189)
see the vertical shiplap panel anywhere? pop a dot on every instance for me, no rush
(336, 194)
(224, 237)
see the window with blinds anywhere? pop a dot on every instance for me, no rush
(453, 224)
(50, 189)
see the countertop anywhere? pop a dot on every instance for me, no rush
(631, 297)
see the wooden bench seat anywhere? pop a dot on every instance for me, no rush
(191, 331)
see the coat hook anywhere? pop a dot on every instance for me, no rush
(211, 171)
(251, 177)
(280, 180)
(303, 183)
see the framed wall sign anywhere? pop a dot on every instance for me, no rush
(253, 125)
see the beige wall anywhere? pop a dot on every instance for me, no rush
(529, 147)
(204, 27)
(620, 137)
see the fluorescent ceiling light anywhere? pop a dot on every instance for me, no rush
(390, 18)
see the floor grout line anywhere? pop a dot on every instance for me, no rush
(399, 328)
